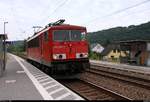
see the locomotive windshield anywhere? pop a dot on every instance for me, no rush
(67, 35)
(75, 35)
(61, 35)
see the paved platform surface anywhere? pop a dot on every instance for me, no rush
(22, 81)
(138, 69)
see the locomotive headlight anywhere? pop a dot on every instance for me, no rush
(81, 55)
(59, 56)
(54, 56)
(85, 55)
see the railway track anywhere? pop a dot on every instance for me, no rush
(91, 91)
(131, 87)
(130, 79)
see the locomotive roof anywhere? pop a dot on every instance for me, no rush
(58, 27)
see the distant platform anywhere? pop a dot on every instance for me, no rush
(23, 81)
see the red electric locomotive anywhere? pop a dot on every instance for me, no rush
(60, 49)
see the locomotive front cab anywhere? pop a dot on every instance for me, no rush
(70, 49)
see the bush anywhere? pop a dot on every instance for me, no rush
(95, 56)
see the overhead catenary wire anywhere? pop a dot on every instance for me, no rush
(118, 11)
(19, 28)
(61, 4)
(52, 13)
(43, 21)
(46, 9)
(55, 10)
(41, 13)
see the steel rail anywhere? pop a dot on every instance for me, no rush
(105, 89)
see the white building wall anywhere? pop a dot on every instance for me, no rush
(98, 48)
(148, 49)
(148, 60)
(148, 46)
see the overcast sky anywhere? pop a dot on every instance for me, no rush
(96, 15)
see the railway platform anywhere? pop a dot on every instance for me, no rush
(22, 81)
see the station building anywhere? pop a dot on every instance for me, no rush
(139, 51)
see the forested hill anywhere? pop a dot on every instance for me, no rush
(104, 37)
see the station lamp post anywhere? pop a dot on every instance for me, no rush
(4, 26)
(4, 46)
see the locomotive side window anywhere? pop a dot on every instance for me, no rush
(61, 35)
(33, 43)
(83, 36)
(46, 36)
